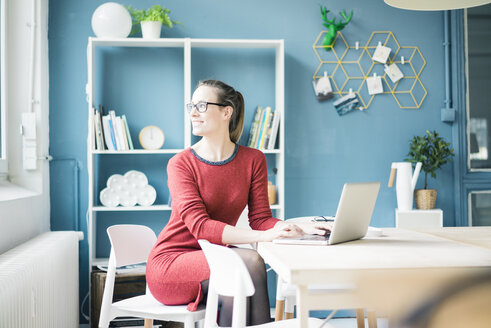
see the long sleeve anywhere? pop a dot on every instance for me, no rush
(260, 216)
(187, 201)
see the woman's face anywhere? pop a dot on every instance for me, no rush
(214, 119)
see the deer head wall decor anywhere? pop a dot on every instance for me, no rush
(333, 27)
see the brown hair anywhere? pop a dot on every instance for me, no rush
(230, 97)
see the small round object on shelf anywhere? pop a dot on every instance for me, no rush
(109, 197)
(147, 196)
(111, 20)
(151, 137)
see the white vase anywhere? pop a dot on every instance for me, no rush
(151, 29)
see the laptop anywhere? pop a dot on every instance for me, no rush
(352, 218)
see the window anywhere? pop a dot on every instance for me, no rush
(479, 75)
(3, 93)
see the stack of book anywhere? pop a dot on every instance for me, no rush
(264, 129)
(111, 132)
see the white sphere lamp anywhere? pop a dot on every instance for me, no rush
(111, 20)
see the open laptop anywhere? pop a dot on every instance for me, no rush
(352, 218)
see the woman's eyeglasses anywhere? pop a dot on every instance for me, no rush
(201, 106)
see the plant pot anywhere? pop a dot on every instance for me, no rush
(425, 199)
(151, 29)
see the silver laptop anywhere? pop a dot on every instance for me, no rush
(352, 218)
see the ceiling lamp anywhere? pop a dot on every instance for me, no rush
(435, 4)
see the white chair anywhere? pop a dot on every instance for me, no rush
(229, 277)
(131, 244)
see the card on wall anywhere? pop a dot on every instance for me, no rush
(374, 84)
(393, 72)
(381, 53)
(323, 88)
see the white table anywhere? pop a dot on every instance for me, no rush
(390, 273)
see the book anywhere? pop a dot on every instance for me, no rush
(98, 131)
(254, 127)
(266, 128)
(122, 133)
(127, 130)
(268, 131)
(264, 125)
(108, 133)
(114, 126)
(96, 144)
(93, 133)
(101, 131)
(274, 129)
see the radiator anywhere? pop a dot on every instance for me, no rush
(39, 282)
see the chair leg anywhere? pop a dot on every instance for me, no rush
(360, 318)
(148, 323)
(280, 308)
(372, 319)
(189, 322)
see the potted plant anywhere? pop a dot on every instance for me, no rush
(151, 20)
(433, 152)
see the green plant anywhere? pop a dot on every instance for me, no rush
(432, 151)
(156, 13)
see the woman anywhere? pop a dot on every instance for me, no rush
(210, 184)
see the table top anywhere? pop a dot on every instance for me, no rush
(396, 249)
(477, 236)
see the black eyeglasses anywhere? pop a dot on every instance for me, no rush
(201, 106)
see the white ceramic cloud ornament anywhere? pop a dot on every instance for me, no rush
(128, 190)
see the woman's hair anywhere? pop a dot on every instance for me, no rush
(230, 97)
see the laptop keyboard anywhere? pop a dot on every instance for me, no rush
(315, 237)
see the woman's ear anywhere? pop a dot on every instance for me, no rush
(229, 110)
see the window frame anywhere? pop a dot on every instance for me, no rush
(3, 91)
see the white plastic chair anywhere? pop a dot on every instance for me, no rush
(230, 277)
(131, 244)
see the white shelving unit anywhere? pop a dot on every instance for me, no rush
(187, 44)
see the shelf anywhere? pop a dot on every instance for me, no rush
(138, 42)
(271, 151)
(148, 208)
(158, 151)
(180, 42)
(136, 152)
(99, 159)
(234, 43)
(131, 208)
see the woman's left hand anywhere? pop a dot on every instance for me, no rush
(316, 228)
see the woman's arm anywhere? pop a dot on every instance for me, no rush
(234, 235)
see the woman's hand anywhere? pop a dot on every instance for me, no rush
(285, 230)
(315, 228)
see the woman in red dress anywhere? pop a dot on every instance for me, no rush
(210, 184)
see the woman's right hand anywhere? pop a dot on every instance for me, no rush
(282, 231)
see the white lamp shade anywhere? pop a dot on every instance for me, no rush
(111, 20)
(431, 5)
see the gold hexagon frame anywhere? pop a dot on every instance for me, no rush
(415, 61)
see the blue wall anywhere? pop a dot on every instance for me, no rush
(323, 150)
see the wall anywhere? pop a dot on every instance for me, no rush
(26, 212)
(323, 150)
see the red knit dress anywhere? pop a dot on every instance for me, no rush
(206, 196)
